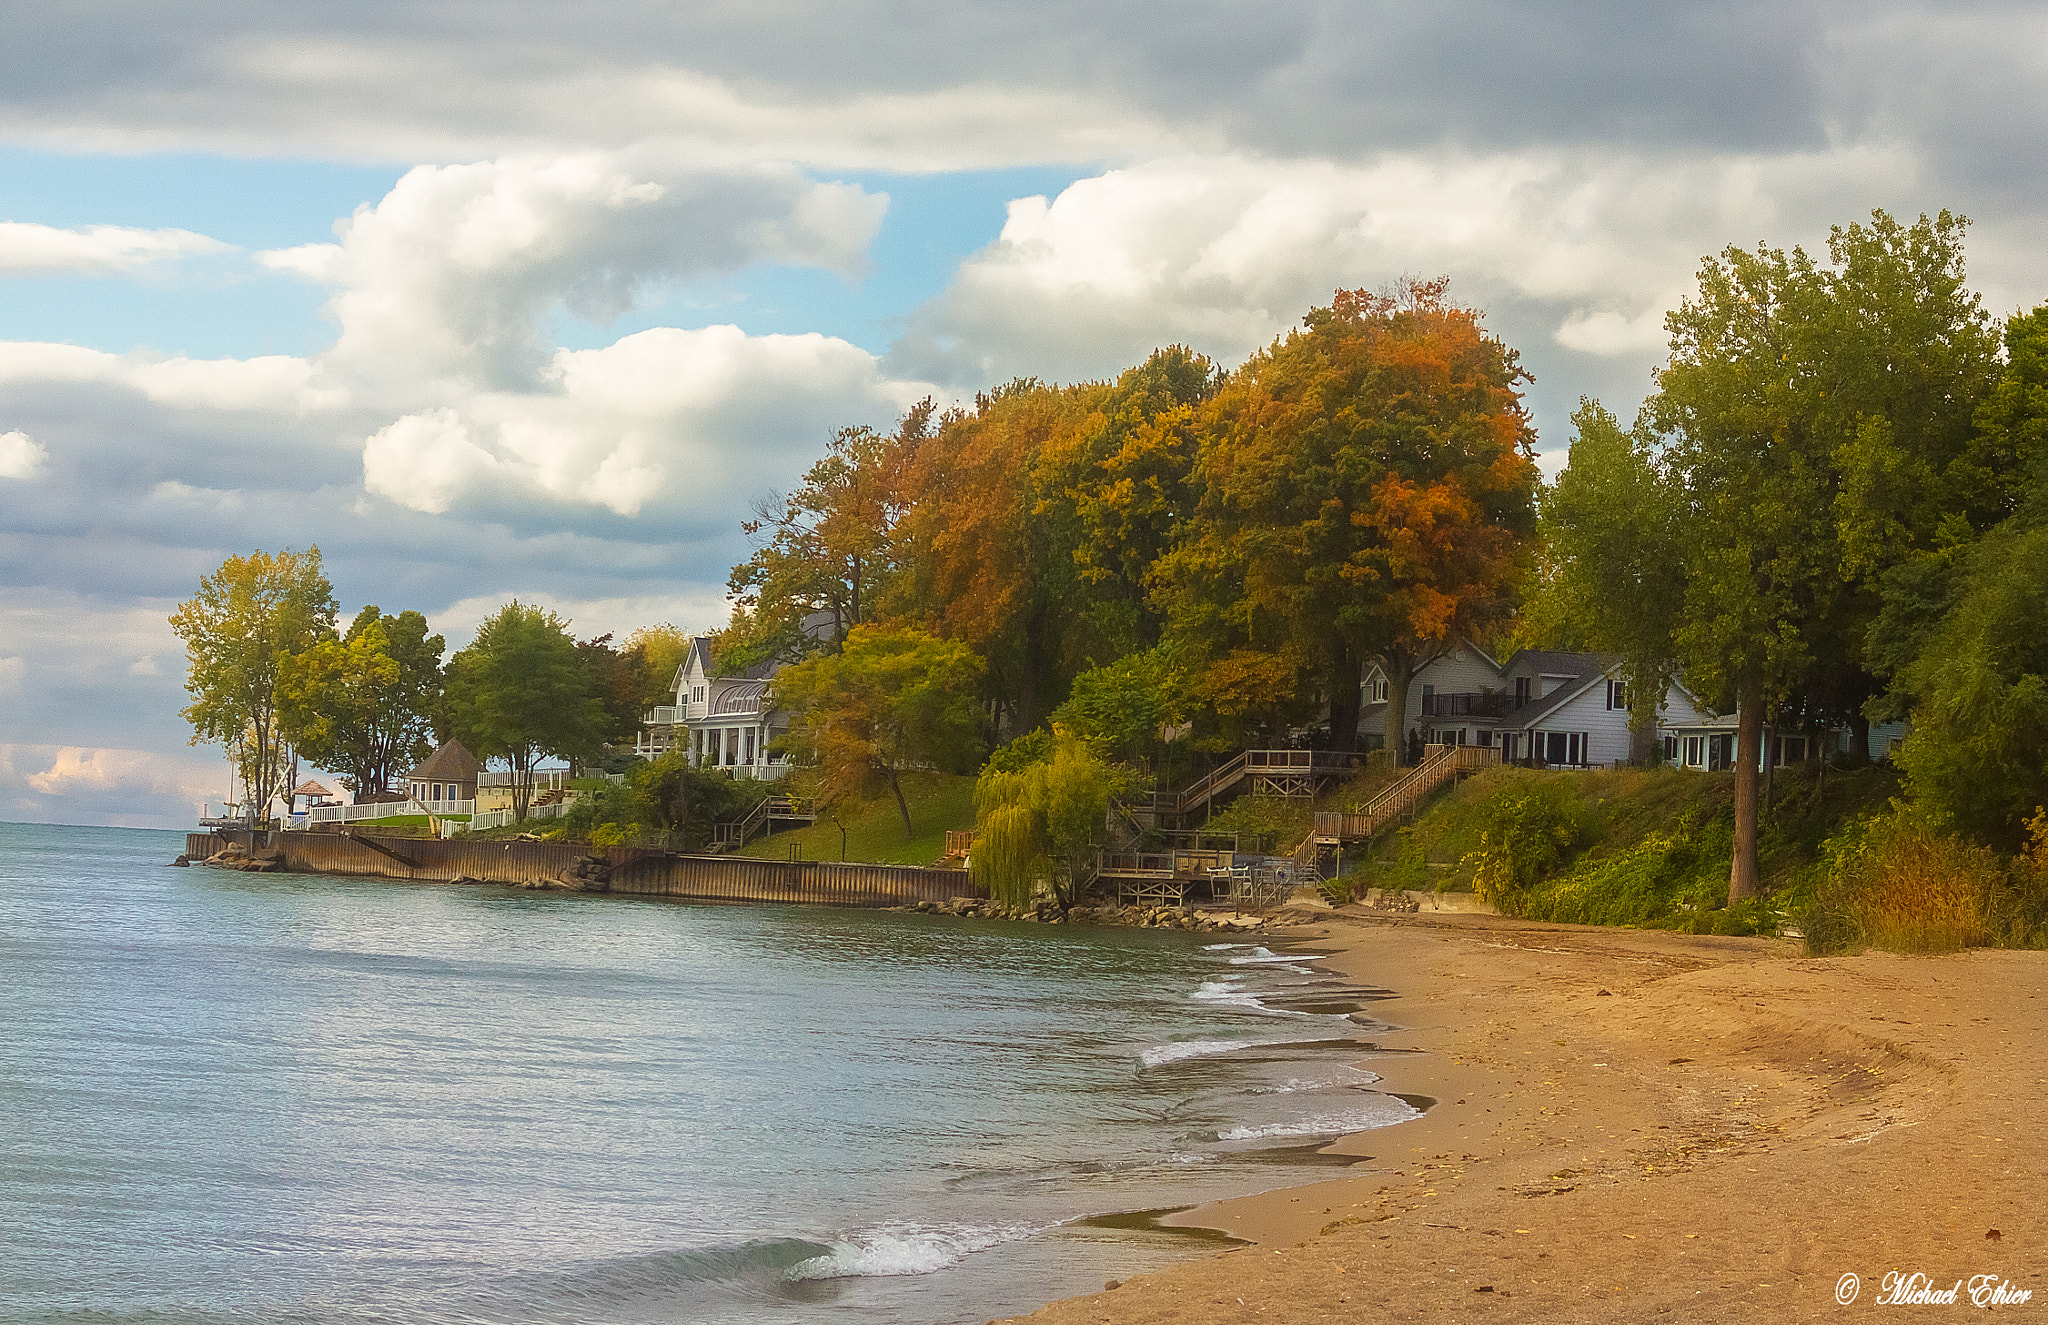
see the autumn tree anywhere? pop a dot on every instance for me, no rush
(1367, 492)
(520, 693)
(824, 548)
(890, 703)
(240, 631)
(659, 652)
(365, 704)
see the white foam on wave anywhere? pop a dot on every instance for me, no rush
(907, 1248)
(1329, 1124)
(1352, 1076)
(1234, 995)
(1226, 947)
(1160, 1054)
(1267, 957)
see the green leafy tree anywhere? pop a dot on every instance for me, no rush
(1614, 526)
(365, 705)
(890, 703)
(520, 693)
(1042, 820)
(1124, 705)
(241, 629)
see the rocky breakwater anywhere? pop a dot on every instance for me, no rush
(235, 856)
(1050, 913)
(587, 875)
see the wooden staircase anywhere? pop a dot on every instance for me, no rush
(1269, 772)
(1440, 766)
(761, 820)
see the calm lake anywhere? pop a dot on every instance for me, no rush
(268, 1098)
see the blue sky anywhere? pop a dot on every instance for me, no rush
(536, 300)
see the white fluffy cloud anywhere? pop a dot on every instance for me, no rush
(22, 456)
(1226, 253)
(99, 250)
(271, 384)
(452, 276)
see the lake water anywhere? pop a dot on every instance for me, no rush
(250, 1098)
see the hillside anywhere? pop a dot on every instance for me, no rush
(1645, 847)
(874, 831)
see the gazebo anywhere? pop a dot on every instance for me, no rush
(446, 781)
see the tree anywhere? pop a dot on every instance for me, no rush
(659, 652)
(364, 705)
(1044, 817)
(1367, 491)
(248, 618)
(1817, 426)
(519, 692)
(1614, 527)
(1124, 704)
(824, 548)
(892, 701)
(617, 683)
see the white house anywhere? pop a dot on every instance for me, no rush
(1554, 707)
(723, 721)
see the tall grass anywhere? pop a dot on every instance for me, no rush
(1898, 882)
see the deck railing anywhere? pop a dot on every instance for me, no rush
(1440, 764)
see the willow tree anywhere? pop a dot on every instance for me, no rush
(247, 620)
(1041, 821)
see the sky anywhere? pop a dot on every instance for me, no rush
(537, 300)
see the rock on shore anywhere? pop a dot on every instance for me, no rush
(1049, 913)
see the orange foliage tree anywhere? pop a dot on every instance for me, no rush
(1367, 491)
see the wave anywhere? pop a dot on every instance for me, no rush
(1160, 1054)
(1267, 957)
(1385, 1114)
(907, 1248)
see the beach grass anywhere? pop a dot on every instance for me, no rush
(938, 802)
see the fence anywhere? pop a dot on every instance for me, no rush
(499, 818)
(355, 814)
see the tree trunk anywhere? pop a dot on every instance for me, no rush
(1345, 669)
(902, 806)
(522, 786)
(1859, 740)
(1749, 742)
(1395, 663)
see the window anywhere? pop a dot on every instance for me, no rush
(750, 746)
(1692, 752)
(1509, 741)
(1429, 699)
(1617, 695)
(1521, 691)
(697, 695)
(1720, 751)
(1670, 748)
(1484, 738)
(434, 791)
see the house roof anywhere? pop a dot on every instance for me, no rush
(1583, 669)
(310, 788)
(740, 697)
(452, 761)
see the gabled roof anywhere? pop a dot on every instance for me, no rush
(1584, 669)
(1466, 644)
(310, 788)
(452, 762)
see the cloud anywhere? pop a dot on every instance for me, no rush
(99, 250)
(21, 456)
(11, 672)
(73, 784)
(452, 275)
(273, 383)
(1583, 251)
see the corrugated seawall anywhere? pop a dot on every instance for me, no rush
(635, 871)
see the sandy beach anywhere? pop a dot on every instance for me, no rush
(1634, 1125)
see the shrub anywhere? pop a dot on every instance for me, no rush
(1527, 833)
(1897, 882)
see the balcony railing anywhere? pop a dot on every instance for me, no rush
(1469, 704)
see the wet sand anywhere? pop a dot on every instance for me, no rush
(1632, 1125)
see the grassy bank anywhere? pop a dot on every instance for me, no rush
(874, 831)
(1642, 847)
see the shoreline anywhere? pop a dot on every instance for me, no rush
(1629, 1123)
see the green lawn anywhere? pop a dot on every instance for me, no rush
(874, 831)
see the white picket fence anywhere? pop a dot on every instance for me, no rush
(499, 818)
